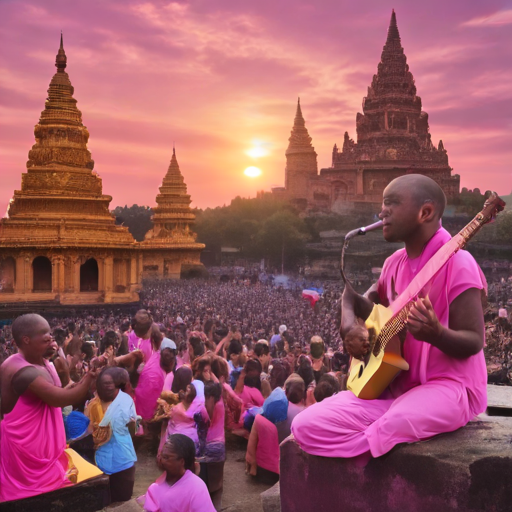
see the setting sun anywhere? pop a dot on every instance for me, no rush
(252, 172)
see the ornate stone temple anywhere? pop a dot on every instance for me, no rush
(172, 221)
(392, 139)
(59, 243)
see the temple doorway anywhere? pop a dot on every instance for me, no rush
(42, 271)
(89, 276)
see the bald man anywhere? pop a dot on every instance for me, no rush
(446, 384)
(32, 436)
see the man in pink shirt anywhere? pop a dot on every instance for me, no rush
(446, 384)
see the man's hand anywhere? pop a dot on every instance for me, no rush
(422, 322)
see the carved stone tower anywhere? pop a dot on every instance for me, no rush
(392, 135)
(301, 162)
(172, 222)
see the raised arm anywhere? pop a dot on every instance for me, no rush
(30, 379)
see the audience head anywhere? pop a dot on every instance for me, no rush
(253, 374)
(201, 368)
(279, 372)
(177, 456)
(317, 347)
(182, 378)
(141, 323)
(305, 370)
(295, 388)
(31, 333)
(196, 347)
(327, 386)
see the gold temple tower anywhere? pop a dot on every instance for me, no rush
(59, 243)
(172, 221)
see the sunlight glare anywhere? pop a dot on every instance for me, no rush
(252, 172)
(257, 152)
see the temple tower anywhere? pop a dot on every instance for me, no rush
(170, 249)
(59, 237)
(393, 135)
(301, 162)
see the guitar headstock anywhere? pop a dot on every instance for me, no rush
(492, 206)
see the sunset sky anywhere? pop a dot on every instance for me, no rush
(222, 77)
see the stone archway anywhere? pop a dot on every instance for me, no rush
(89, 276)
(42, 274)
(7, 275)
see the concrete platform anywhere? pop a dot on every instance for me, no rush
(88, 496)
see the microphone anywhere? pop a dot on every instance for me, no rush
(363, 230)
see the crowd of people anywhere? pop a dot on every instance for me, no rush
(202, 359)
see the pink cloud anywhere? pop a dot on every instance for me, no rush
(492, 20)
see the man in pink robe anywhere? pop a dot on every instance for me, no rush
(446, 384)
(32, 435)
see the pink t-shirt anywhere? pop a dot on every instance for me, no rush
(428, 363)
(169, 379)
(188, 494)
(251, 397)
(216, 430)
(144, 345)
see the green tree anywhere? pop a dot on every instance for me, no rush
(136, 218)
(282, 239)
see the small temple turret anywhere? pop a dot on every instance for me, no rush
(170, 249)
(301, 158)
(173, 216)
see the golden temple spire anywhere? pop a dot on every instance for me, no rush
(60, 187)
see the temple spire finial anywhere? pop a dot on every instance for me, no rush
(61, 59)
(299, 118)
(393, 33)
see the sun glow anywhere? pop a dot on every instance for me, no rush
(252, 172)
(260, 149)
(257, 152)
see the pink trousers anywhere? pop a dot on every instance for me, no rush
(346, 426)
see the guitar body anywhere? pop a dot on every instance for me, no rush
(369, 380)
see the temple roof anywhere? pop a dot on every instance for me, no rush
(300, 141)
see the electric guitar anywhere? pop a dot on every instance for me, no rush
(369, 378)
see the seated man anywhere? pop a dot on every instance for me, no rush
(446, 384)
(32, 435)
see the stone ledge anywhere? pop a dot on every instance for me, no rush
(465, 471)
(88, 496)
(270, 499)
